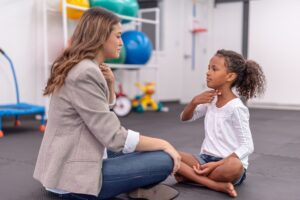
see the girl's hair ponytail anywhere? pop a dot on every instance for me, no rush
(250, 80)
(253, 81)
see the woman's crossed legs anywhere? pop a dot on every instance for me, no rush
(124, 173)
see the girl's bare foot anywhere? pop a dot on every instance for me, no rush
(227, 188)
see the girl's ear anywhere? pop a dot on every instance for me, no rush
(231, 76)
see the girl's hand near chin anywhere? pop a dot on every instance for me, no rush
(205, 97)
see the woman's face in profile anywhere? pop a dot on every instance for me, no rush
(112, 46)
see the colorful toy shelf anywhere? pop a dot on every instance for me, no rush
(136, 22)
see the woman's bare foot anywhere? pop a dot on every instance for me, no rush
(226, 188)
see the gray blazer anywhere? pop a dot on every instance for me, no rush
(80, 125)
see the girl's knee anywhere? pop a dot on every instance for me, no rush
(234, 168)
(236, 164)
(229, 171)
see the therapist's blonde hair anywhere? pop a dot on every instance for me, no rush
(93, 29)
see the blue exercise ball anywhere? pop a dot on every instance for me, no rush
(138, 47)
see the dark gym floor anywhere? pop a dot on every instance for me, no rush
(273, 174)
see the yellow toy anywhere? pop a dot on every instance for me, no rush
(74, 13)
(145, 101)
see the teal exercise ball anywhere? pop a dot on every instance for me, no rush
(122, 7)
(115, 6)
(119, 60)
(138, 47)
(130, 8)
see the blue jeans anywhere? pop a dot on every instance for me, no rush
(125, 172)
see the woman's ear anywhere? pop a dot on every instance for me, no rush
(231, 76)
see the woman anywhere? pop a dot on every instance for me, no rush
(72, 160)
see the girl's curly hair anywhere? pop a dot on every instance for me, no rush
(250, 81)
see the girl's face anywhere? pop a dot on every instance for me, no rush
(217, 75)
(112, 46)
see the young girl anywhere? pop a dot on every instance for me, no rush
(223, 158)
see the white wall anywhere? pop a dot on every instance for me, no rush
(274, 42)
(18, 39)
(171, 59)
(227, 27)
